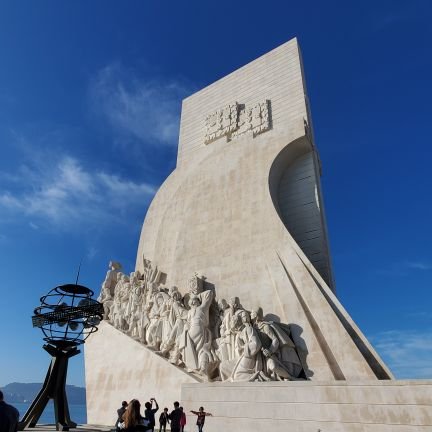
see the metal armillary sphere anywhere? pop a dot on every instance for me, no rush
(67, 316)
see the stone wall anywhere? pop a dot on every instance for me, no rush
(119, 368)
(374, 406)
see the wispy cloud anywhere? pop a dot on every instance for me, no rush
(408, 353)
(419, 265)
(423, 315)
(383, 18)
(405, 268)
(145, 110)
(65, 193)
(91, 252)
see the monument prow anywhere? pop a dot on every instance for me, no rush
(233, 279)
(243, 194)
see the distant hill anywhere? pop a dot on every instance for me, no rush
(26, 392)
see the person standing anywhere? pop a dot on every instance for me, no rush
(133, 420)
(175, 417)
(201, 418)
(9, 416)
(182, 420)
(150, 412)
(163, 420)
(120, 413)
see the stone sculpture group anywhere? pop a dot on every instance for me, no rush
(210, 339)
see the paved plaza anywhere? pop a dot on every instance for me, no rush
(82, 428)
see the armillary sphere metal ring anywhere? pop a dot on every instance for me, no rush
(68, 315)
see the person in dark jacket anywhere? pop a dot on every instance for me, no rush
(120, 413)
(163, 420)
(150, 412)
(175, 417)
(9, 416)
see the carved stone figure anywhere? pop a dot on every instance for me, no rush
(249, 365)
(116, 300)
(196, 344)
(210, 338)
(144, 321)
(227, 345)
(108, 285)
(281, 360)
(121, 297)
(178, 316)
(223, 341)
(154, 330)
(151, 292)
(106, 295)
(133, 309)
(219, 309)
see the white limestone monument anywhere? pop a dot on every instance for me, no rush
(232, 303)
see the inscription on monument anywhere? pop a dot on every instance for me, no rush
(236, 119)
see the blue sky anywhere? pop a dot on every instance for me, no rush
(90, 95)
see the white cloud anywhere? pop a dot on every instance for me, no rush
(145, 110)
(405, 268)
(419, 265)
(408, 353)
(65, 194)
(8, 201)
(420, 315)
(91, 252)
(117, 187)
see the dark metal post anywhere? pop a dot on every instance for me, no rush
(54, 387)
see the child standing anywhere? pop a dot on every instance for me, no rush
(201, 418)
(163, 420)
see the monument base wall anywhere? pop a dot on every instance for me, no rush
(119, 368)
(375, 406)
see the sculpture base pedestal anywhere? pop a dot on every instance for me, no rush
(54, 387)
(341, 406)
(119, 368)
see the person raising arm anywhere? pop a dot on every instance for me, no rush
(201, 418)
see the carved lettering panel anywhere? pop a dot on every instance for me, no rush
(222, 122)
(260, 118)
(234, 120)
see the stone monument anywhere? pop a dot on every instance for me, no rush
(232, 300)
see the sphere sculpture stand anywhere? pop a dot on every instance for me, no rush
(67, 316)
(54, 387)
